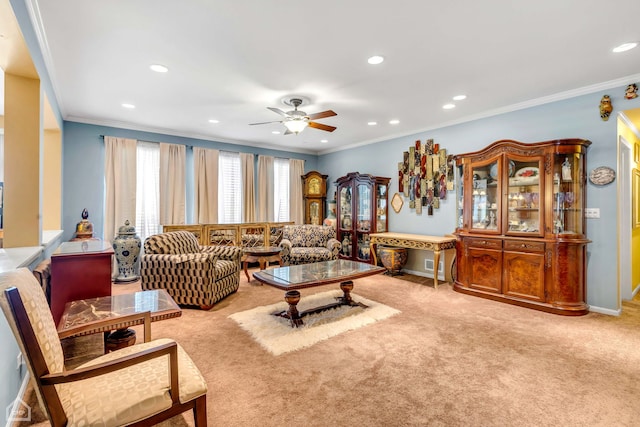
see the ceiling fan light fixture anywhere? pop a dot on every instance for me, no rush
(296, 126)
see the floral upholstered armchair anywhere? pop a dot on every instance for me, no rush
(192, 274)
(304, 244)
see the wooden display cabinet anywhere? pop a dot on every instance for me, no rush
(362, 209)
(314, 187)
(521, 234)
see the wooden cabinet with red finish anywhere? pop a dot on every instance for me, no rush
(521, 234)
(79, 270)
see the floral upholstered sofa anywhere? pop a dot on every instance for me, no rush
(191, 273)
(304, 244)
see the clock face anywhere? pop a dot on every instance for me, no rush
(314, 186)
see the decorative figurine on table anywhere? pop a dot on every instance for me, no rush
(605, 107)
(566, 170)
(631, 92)
(84, 229)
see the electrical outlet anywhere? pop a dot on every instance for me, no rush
(592, 213)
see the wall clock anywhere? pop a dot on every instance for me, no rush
(602, 175)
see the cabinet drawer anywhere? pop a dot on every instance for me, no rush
(484, 243)
(523, 246)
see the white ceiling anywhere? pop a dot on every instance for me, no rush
(230, 59)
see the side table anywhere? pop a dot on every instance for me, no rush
(261, 255)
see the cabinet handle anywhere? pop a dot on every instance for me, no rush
(484, 242)
(524, 245)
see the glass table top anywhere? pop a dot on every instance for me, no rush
(319, 273)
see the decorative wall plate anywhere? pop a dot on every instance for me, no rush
(397, 202)
(602, 175)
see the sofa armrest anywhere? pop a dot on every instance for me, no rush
(285, 254)
(333, 244)
(229, 253)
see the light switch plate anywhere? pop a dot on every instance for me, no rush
(592, 213)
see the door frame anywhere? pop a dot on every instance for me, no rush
(625, 287)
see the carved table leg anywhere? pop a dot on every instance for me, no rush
(292, 298)
(347, 287)
(436, 263)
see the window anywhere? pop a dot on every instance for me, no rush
(229, 188)
(281, 189)
(147, 189)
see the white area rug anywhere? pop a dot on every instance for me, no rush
(277, 336)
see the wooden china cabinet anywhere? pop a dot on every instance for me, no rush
(521, 235)
(362, 210)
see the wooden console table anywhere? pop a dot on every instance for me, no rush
(413, 241)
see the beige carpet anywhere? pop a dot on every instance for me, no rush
(447, 360)
(276, 335)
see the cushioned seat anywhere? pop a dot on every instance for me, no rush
(144, 383)
(192, 274)
(304, 244)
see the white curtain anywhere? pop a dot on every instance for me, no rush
(248, 185)
(265, 188)
(120, 183)
(147, 189)
(296, 204)
(205, 189)
(172, 183)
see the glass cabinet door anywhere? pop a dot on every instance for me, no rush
(484, 197)
(381, 208)
(363, 217)
(568, 198)
(525, 196)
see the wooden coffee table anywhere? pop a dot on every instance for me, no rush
(88, 316)
(261, 255)
(302, 276)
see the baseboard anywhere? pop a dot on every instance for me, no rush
(608, 311)
(19, 400)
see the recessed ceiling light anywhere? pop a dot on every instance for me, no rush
(214, 121)
(394, 122)
(625, 47)
(372, 123)
(275, 132)
(449, 106)
(324, 141)
(375, 60)
(459, 97)
(130, 106)
(159, 68)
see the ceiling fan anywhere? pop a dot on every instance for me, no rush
(296, 120)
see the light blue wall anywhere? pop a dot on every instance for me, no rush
(572, 118)
(83, 169)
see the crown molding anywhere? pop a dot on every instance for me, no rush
(38, 29)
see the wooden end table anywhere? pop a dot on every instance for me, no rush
(261, 255)
(116, 313)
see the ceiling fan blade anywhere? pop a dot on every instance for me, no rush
(322, 115)
(322, 127)
(278, 111)
(264, 123)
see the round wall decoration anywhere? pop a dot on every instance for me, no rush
(602, 175)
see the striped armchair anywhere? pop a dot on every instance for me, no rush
(304, 244)
(192, 274)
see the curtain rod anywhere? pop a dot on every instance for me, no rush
(155, 142)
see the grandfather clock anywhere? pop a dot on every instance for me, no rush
(314, 186)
